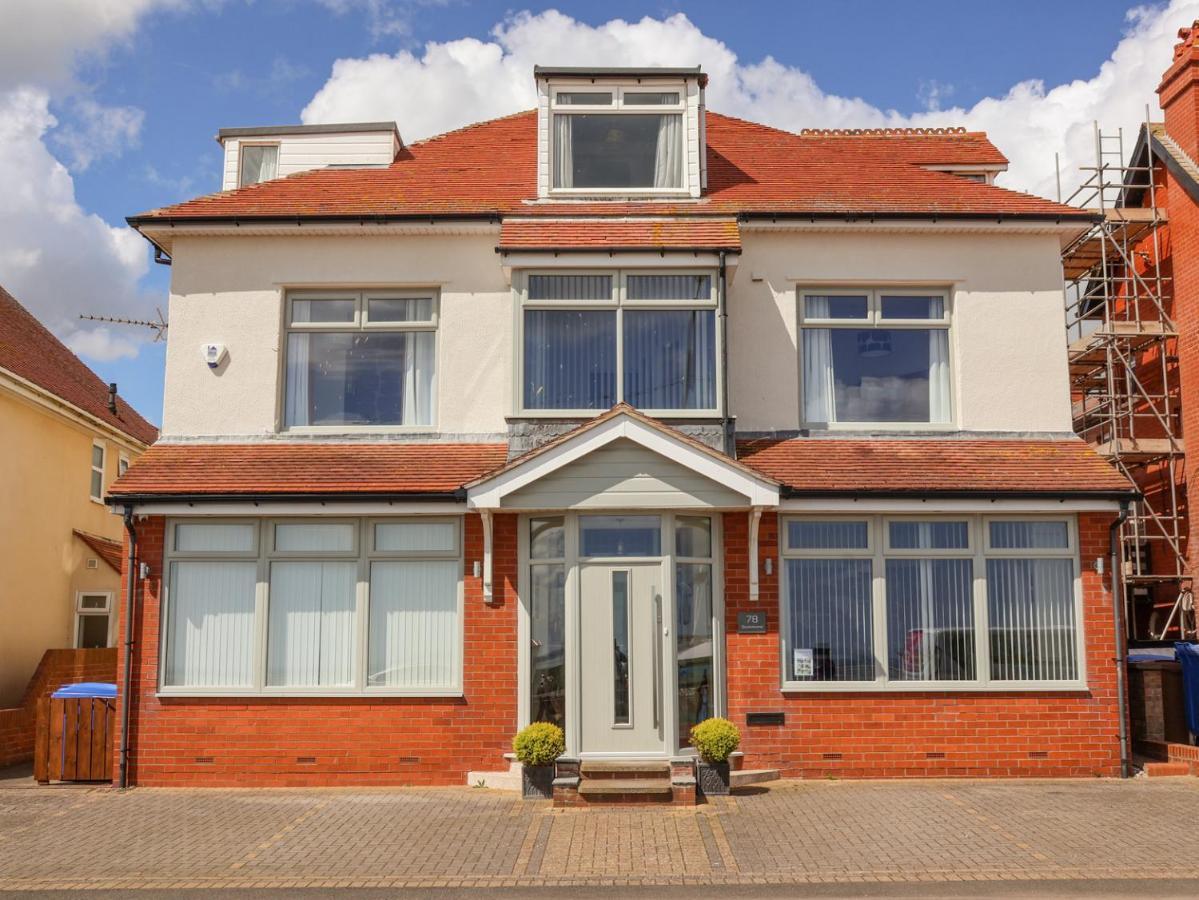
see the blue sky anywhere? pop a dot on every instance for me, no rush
(180, 72)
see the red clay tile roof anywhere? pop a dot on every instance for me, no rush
(949, 465)
(105, 548)
(305, 469)
(585, 234)
(490, 169)
(29, 351)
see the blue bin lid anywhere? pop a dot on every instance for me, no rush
(86, 689)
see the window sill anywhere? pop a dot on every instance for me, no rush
(875, 428)
(358, 429)
(929, 687)
(371, 694)
(575, 415)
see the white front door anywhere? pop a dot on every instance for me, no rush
(621, 658)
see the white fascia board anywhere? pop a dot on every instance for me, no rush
(933, 505)
(307, 509)
(490, 494)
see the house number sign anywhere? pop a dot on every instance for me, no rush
(751, 622)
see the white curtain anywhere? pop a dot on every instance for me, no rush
(564, 163)
(210, 635)
(420, 389)
(310, 628)
(414, 624)
(668, 160)
(296, 405)
(938, 375)
(818, 379)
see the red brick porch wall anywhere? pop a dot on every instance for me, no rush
(334, 741)
(58, 667)
(874, 735)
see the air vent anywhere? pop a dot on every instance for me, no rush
(409, 759)
(93, 563)
(205, 760)
(933, 754)
(830, 756)
(1038, 754)
(306, 760)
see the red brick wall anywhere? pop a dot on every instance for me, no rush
(892, 734)
(58, 667)
(357, 741)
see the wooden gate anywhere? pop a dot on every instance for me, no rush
(74, 739)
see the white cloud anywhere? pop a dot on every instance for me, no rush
(97, 131)
(385, 18)
(55, 257)
(453, 83)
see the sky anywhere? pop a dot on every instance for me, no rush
(109, 108)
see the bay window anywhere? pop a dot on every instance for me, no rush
(308, 607)
(907, 603)
(361, 359)
(875, 356)
(590, 340)
(617, 139)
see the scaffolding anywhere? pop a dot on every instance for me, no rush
(1124, 375)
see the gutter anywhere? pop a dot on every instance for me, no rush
(378, 219)
(916, 494)
(458, 495)
(126, 695)
(953, 216)
(1118, 622)
(609, 249)
(722, 315)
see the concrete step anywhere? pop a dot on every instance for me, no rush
(1166, 769)
(743, 777)
(641, 787)
(625, 768)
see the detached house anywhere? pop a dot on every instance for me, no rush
(617, 413)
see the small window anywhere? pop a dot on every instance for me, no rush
(803, 534)
(224, 537)
(583, 98)
(258, 163)
(416, 537)
(620, 535)
(315, 537)
(97, 476)
(122, 465)
(651, 98)
(93, 620)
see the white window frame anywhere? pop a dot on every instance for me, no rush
(264, 555)
(618, 106)
(100, 469)
(241, 145)
(360, 323)
(122, 464)
(618, 302)
(873, 320)
(879, 551)
(80, 613)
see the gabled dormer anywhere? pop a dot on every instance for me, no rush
(620, 133)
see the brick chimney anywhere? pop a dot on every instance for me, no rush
(1179, 91)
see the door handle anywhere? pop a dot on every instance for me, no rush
(657, 657)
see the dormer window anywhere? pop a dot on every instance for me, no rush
(604, 140)
(621, 132)
(259, 162)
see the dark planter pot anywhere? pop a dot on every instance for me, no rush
(537, 782)
(712, 778)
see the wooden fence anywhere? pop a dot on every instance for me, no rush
(74, 739)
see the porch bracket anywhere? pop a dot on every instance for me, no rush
(488, 593)
(755, 519)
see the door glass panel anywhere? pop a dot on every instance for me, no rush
(693, 536)
(547, 655)
(93, 631)
(620, 647)
(547, 538)
(621, 535)
(693, 636)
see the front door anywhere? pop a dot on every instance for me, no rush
(621, 629)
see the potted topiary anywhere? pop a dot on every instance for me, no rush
(714, 739)
(536, 747)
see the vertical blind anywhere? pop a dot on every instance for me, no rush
(570, 359)
(414, 624)
(1033, 632)
(311, 624)
(832, 618)
(670, 358)
(210, 636)
(930, 619)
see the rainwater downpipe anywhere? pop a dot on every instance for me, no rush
(130, 593)
(1118, 616)
(730, 446)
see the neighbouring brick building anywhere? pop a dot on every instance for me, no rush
(620, 414)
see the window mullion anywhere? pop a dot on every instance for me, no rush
(982, 625)
(879, 587)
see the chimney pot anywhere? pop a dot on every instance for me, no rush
(112, 398)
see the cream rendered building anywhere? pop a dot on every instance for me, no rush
(63, 446)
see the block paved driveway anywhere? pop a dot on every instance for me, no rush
(790, 832)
